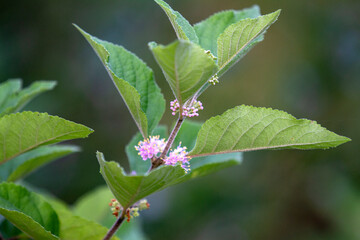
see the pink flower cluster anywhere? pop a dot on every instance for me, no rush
(150, 147)
(179, 155)
(174, 106)
(188, 110)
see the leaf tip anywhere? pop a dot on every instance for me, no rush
(344, 140)
(274, 15)
(100, 156)
(91, 130)
(161, 3)
(152, 45)
(51, 84)
(77, 27)
(277, 13)
(83, 32)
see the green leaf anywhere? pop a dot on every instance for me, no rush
(72, 226)
(182, 27)
(98, 200)
(201, 166)
(75, 227)
(136, 163)
(129, 189)
(210, 29)
(28, 212)
(16, 100)
(134, 81)
(187, 134)
(247, 128)
(24, 164)
(240, 37)
(186, 67)
(7, 89)
(25, 131)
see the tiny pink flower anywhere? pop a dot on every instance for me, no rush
(190, 109)
(178, 156)
(150, 147)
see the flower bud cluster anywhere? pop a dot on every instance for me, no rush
(131, 212)
(143, 204)
(214, 80)
(150, 147)
(190, 109)
(174, 106)
(115, 207)
(208, 52)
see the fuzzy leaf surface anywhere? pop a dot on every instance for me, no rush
(182, 27)
(247, 128)
(22, 132)
(24, 164)
(15, 100)
(201, 166)
(210, 29)
(134, 80)
(28, 212)
(186, 67)
(240, 37)
(129, 189)
(137, 164)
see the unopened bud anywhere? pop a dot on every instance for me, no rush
(115, 207)
(143, 204)
(189, 109)
(208, 52)
(214, 80)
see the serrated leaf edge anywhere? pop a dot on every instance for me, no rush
(192, 155)
(250, 40)
(103, 162)
(110, 72)
(48, 140)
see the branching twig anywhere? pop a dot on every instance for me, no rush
(159, 161)
(155, 163)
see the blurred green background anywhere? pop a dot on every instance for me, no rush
(308, 65)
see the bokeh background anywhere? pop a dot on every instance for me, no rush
(308, 65)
